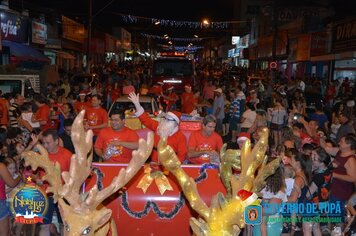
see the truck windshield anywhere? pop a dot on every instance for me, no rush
(173, 68)
(10, 86)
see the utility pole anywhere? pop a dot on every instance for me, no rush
(275, 29)
(89, 35)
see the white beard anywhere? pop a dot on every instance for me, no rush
(166, 128)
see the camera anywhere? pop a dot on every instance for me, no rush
(296, 116)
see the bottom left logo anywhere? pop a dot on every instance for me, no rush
(28, 204)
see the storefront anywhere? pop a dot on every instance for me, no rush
(344, 49)
(15, 50)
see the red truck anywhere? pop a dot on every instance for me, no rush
(173, 70)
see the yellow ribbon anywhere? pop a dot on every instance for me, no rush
(160, 179)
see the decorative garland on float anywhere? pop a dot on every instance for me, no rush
(152, 204)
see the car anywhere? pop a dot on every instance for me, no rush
(123, 104)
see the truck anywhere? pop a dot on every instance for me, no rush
(26, 85)
(173, 69)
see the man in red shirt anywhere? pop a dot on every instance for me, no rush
(96, 116)
(188, 100)
(42, 114)
(170, 99)
(204, 145)
(50, 141)
(115, 143)
(168, 127)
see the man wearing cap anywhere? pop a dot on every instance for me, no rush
(168, 127)
(218, 109)
(81, 103)
(188, 100)
(204, 145)
(170, 99)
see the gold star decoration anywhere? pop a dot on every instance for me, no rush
(29, 179)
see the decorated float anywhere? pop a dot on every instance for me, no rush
(119, 199)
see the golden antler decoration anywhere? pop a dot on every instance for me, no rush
(83, 214)
(225, 215)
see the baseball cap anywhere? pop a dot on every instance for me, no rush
(218, 90)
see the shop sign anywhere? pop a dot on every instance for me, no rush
(72, 30)
(13, 27)
(235, 40)
(344, 36)
(293, 13)
(39, 33)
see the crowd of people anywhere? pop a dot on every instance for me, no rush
(311, 123)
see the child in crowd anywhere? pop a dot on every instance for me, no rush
(289, 179)
(12, 168)
(335, 125)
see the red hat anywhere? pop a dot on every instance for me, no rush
(243, 136)
(247, 197)
(82, 92)
(174, 115)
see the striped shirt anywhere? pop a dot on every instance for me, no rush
(14, 114)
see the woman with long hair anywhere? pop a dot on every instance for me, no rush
(302, 166)
(5, 179)
(273, 195)
(278, 116)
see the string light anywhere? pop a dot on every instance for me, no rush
(178, 23)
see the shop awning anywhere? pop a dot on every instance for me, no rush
(65, 55)
(24, 52)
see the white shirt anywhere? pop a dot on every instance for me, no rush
(250, 117)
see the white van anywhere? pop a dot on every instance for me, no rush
(26, 85)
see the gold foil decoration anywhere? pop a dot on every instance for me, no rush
(160, 179)
(225, 215)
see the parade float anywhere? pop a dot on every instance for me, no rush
(132, 199)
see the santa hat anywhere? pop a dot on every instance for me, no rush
(247, 197)
(170, 87)
(243, 136)
(174, 115)
(82, 92)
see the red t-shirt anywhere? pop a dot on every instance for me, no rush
(42, 114)
(4, 107)
(63, 157)
(121, 154)
(204, 143)
(78, 106)
(96, 116)
(188, 102)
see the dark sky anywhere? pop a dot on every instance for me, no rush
(179, 10)
(107, 12)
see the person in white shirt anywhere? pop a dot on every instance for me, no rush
(26, 114)
(248, 117)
